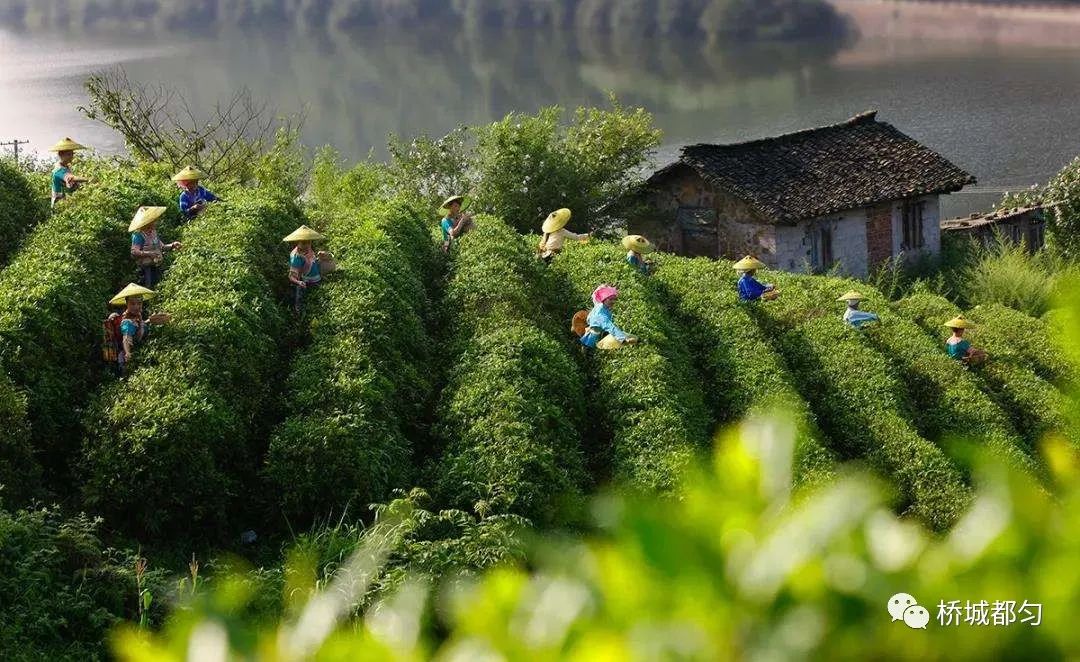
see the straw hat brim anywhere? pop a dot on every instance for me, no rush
(132, 290)
(959, 323)
(144, 217)
(189, 174)
(304, 233)
(748, 264)
(67, 145)
(637, 243)
(556, 220)
(852, 296)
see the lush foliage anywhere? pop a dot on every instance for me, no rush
(647, 398)
(170, 446)
(512, 413)
(356, 396)
(525, 166)
(746, 376)
(1063, 220)
(1008, 274)
(21, 207)
(861, 403)
(61, 588)
(19, 471)
(52, 303)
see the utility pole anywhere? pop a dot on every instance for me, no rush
(14, 144)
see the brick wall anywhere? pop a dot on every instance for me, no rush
(879, 234)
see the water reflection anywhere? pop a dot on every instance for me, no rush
(1004, 114)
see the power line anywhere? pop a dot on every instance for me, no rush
(14, 144)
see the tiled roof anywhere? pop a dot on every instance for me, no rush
(822, 171)
(990, 218)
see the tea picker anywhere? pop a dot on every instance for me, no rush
(306, 267)
(123, 331)
(454, 222)
(638, 246)
(146, 246)
(597, 329)
(749, 287)
(193, 197)
(853, 316)
(556, 234)
(960, 348)
(64, 180)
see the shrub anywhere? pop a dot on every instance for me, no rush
(647, 397)
(21, 208)
(359, 391)
(1034, 404)
(169, 447)
(1008, 275)
(52, 303)
(859, 401)
(61, 589)
(510, 417)
(1025, 340)
(19, 471)
(746, 376)
(1062, 221)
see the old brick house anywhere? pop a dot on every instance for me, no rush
(1021, 225)
(852, 194)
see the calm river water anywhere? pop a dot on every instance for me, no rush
(1009, 115)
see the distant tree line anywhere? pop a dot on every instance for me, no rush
(712, 19)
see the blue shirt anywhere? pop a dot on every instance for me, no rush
(958, 350)
(297, 261)
(600, 320)
(750, 289)
(857, 318)
(58, 184)
(132, 328)
(633, 260)
(446, 225)
(189, 200)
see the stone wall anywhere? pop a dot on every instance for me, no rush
(879, 234)
(795, 244)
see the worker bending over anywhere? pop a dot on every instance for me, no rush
(124, 331)
(853, 315)
(556, 234)
(749, 287)
(193, 197)
(958, 347)
(600, 330)
(637, 246)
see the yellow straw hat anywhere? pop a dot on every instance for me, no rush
(852, 295)
(145, 216)
(959, 322)
(556, 220)
(445, 209)
(132, 290)
(748, 263)
(637, 243)
(66, 145)
(189, 174)
(304, 233)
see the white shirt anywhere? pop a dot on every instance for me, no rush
(555, 239)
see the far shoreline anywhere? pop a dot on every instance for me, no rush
(1046, 25)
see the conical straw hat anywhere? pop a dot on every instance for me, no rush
(852, 295)
(959, 322)
(145, 216)
(304, 233)
(637, 243)
(189, 174)
(66, 145)
(445, 209)
(132, 290)
(748, 263)
(556, 220)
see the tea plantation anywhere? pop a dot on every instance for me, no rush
(452, 372)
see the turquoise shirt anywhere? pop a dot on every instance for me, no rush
(297, 261)
(958, 350)
(59, 186)
(446, 225)
(638, 263)
(601, 320)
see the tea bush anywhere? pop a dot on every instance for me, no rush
(1035, 405)
(648, 397)
(61, 588)
(746, 376)
(168, 448)
(52, 302)
(19, 470)
(860, 402)
(21, 208)
(357, 395)
(1027, 340)
(511, 414)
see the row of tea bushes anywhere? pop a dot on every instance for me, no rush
(1036, 406)
(648, 397)
(21, 208)
(746, 376)
(168, 448)
(19, 470)
(53, 298)
(1024, 339)
(948, 402)
(859, 401)
(511, 414)
(357, 395)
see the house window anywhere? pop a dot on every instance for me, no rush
(912, 219)
(821, 248)
(1036, 236)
